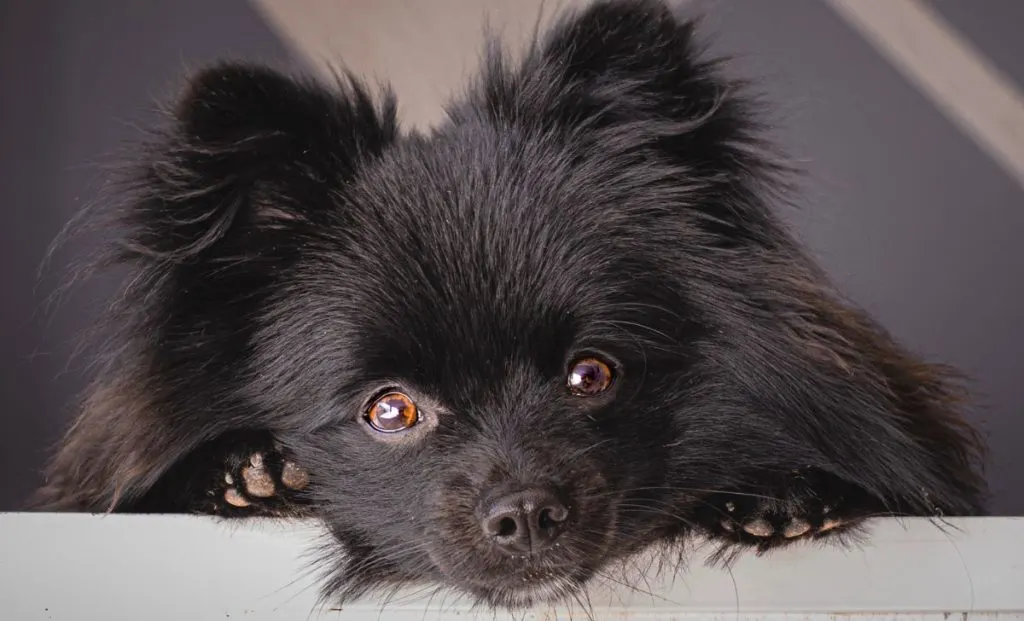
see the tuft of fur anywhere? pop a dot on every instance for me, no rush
(290, 252)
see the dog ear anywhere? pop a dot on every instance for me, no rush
(628, 80)
(633, 73)
(240, 135)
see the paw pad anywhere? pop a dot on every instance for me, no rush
(258, 482)
(796, 528)
(294, 477)
(828, 525)
(759, 528)
(235, 498)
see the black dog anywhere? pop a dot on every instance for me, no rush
(562, 328)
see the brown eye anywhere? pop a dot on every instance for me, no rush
(589, 377)
(392, 412)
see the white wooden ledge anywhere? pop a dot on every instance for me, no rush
(178, 568)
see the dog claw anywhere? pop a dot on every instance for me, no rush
(759, 528)
(727, 526)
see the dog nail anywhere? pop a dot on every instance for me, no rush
(759, 528)
(228, 479)
(727, 526)
(796, 528)
(293, 476)
(235, 499)
(256, 460)
(258, 482)
(730, 507)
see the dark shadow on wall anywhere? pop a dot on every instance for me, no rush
(78, 79)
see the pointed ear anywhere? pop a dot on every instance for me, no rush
(251, 147)
(627, 75)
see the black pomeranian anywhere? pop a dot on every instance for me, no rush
(564, 327)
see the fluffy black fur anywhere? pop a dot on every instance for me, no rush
(292, 253)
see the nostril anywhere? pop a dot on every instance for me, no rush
(506, 527)
(500, 525)
(553, 515)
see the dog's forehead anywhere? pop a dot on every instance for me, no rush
(482, 181)
(474, 250)
(487, 215)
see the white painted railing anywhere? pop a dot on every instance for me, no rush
(179, 568)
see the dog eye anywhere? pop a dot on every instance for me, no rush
(589, 377)
(392, 413)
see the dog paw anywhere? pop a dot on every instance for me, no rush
(771, 520)
(262, 482)
(807, 505)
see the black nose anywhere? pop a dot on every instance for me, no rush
(525, 521)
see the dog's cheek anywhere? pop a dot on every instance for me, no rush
(643, 428)
(379, 490)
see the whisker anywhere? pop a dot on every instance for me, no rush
(584, 451)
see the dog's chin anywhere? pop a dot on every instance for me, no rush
(511, 582)
(522, 582)
(510, 595)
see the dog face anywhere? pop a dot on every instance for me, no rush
(494, 340)
(562, 327)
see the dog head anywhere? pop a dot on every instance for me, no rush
(508, 351)
(469, 338)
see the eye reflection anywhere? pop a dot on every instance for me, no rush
(392, 413)
(589, 377)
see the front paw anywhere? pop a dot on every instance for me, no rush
(259, 481)
(262, 483)
(807, 504)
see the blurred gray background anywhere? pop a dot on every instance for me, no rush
(914, 213)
